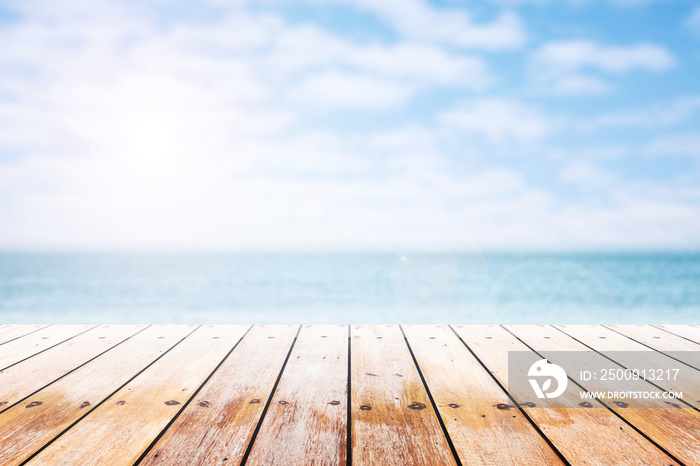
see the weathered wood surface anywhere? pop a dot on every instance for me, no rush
(471, 403)
(690, 332)
(582, 435)
(676, 430)
(393, 421)
(178, 395)
(34, 343)
(629, 353)
(306, 422)
(29, 426)
(217, 426)
(663, 341)
(126, 423)
(23, 379)
(12, 332)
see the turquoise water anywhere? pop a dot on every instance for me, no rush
(350, 288)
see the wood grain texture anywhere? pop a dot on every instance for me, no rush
(468, 400)
(690, 332)
(36, 342)
(11, 332)
(306, 422)
(119, 430)
(583, 435)
(218, 425)
(22, 379)
(630, 354)
(674, 429)
(30, 425)
(662, 341)
(393, 420)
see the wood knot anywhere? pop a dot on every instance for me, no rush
(334, 403)
(365, 407)
(34, 403)
(621, 404)
(84, 404)
(453, 405)
(675, 405)
(204, 404)
(172, 402)
(253, 401)
(3, 403)
(416, 405)
(371, 375)
(121, 402)
(586, 404)
(282, 402)
(529, 404)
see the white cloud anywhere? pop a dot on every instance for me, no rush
(586, 175)
(678, 145)
(579, 54)
(580, 84)
(567, 66)
(418, 20)
(118, 133)
(342, 90)
(666, 114)
(499, 121)
(692, 22)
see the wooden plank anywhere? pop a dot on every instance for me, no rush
(306, 422)
(393, 420)
(674, 429)
(630, 354)
(218, 424)
(662, 341)
(20, 380)
(691, 332)
(468, 399)
(11, 332)
(119, 430)
(28, 426)
(582, 435)
(29, 345)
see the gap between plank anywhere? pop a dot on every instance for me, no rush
(668, 331)
(651, 347)
(623, 366)
(105, 399)
(432, 401)
(189, 400)
(605, 405)
(522, 411)
(25, 334)
(348, 454)
(72, 370)
(52, 346)
(269, 400)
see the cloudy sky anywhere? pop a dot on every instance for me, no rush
(349, 124)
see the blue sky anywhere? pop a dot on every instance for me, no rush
(350, 124)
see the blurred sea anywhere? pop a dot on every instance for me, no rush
(350, 288)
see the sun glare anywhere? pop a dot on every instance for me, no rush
(147, 134)
(152, 141)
